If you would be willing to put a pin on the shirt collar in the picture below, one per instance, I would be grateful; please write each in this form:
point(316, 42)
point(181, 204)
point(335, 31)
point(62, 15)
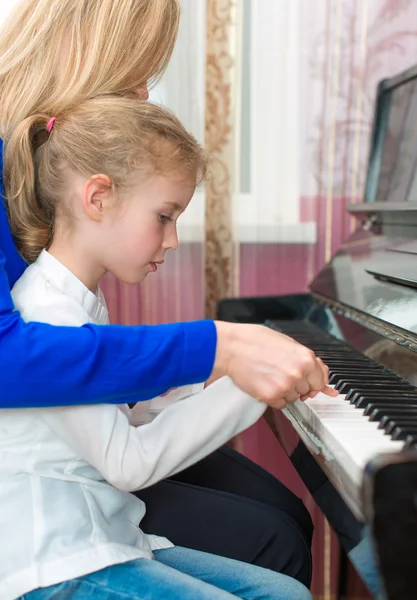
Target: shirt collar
point(65, 281)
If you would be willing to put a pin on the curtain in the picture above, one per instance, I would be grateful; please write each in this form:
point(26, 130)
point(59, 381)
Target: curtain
point(290, 100)
point(176, 291)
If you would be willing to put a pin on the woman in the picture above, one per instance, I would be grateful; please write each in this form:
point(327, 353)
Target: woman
point(57, 52)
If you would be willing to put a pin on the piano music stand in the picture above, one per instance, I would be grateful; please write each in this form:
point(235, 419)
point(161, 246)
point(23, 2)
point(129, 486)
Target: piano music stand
point(390, 504)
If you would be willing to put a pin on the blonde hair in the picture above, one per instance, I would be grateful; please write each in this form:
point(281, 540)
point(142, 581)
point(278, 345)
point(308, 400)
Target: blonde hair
point(56, 53)
point(123, 138)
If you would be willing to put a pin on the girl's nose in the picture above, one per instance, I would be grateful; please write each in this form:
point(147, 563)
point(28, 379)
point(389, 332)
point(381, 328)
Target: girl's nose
point(171, 239)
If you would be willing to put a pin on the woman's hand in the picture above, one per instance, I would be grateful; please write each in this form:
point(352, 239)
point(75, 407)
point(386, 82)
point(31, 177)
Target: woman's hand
point(268, 365)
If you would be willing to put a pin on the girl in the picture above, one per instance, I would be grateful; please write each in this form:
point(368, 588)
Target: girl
point(55, 53)
point(101, 186)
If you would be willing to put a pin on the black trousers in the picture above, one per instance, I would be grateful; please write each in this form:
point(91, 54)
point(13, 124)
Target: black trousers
point(228, 505)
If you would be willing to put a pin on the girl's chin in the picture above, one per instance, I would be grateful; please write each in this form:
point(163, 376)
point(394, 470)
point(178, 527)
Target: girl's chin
point(132, 279)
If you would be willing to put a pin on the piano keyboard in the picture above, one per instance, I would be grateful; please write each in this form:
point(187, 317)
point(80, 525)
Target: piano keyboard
point(375, 412)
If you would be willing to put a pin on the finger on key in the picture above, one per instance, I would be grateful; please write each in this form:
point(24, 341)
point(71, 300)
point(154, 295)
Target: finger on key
point(328, 390)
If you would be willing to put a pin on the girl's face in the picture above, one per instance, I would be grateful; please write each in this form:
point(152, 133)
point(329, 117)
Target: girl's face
point(140, 227)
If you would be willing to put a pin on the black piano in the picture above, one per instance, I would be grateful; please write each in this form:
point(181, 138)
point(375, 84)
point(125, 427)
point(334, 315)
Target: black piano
point(357, 453)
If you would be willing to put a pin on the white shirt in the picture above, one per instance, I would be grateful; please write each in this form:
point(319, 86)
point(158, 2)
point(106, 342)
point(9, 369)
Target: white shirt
point(66, 473)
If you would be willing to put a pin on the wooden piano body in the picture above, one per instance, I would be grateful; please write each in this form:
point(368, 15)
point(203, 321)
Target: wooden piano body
point(361, 316)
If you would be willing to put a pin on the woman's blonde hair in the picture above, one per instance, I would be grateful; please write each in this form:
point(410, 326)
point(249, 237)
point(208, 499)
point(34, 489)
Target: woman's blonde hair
point(123, 138)
point(56, 53)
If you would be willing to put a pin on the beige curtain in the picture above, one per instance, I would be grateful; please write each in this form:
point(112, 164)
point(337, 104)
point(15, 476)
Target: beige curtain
point(176, 291)
point(290, 90)
point(220, 255)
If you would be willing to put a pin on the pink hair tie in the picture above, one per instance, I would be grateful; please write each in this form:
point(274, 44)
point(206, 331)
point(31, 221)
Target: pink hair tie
point(50, 124)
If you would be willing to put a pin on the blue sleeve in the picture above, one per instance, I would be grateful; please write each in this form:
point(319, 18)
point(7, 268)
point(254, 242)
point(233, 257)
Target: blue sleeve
point(45, 365)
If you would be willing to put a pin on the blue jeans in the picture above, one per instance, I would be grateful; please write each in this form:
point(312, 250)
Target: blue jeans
point(177, 574)
point(363, 557)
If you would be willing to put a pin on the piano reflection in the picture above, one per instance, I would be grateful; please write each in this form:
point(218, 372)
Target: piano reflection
point(360, 317)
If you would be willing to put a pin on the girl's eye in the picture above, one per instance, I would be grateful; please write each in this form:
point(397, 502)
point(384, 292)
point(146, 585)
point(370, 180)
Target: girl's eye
point(164, 218)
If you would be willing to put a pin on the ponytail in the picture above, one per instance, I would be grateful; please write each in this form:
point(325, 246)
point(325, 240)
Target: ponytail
point(31, 217)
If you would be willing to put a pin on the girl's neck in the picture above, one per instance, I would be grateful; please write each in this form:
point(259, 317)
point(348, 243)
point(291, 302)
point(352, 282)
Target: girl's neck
point(77, 260)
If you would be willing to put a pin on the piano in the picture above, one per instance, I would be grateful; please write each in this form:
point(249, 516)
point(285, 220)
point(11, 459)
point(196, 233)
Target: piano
point(360, 317)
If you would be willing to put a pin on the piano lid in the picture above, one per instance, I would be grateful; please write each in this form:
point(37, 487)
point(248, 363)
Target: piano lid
point(370, 276)
point(375, 272)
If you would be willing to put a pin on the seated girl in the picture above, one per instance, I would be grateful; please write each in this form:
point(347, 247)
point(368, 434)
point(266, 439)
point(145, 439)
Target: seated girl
point(99, 189)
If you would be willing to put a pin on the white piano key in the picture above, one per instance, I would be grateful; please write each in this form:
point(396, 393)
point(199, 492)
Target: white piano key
point(350, 437)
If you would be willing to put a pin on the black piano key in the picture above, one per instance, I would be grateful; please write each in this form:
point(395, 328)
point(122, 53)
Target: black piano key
point(335, 361)
point(371, 378)
point(385, 387)
point(334, 377)
point(362, 399)
point(363, 402)
point(342, 354)
point(354, 365)
point(389, 386)
point(345, 385)
point(359, 371)
point(390, 416)
point(354, 368)
point(337, 349)
point(401, 433)
point(389, 396)
point(323, 345)
point(347, 368)
point(403, 422)
point(411, 442)
point(348, 356)
point(390, 383)
point(373, 408)
point(344, 360)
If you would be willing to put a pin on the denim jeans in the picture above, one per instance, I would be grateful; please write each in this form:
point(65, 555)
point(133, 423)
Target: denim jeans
point(363, 555)
point(177, 574)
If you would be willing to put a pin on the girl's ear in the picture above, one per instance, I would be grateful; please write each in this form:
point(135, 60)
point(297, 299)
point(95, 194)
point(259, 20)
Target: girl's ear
point(98, 196)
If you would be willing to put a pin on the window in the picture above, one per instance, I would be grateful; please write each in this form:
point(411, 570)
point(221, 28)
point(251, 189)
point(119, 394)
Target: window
point(269, 182)
point(266, 115)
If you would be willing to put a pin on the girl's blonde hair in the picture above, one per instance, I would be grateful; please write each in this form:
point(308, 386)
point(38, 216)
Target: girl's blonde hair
point(56, 53)
point(123, 138)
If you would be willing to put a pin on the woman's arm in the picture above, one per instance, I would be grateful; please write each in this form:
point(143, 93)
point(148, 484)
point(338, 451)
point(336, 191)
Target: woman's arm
point(42, 365)
point(132, 458)
point(45, 365)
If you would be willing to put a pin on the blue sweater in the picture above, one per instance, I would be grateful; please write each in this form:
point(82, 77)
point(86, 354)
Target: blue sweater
point(45, 365)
